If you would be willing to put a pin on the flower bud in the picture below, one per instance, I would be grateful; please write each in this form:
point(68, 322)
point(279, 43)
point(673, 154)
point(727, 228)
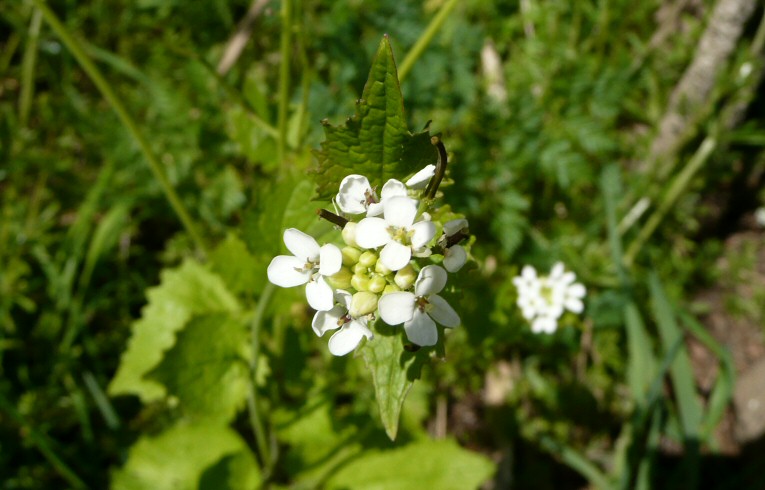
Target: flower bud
point(360, 282)
point(341, 279)
point(349, 234)
point(381, 269)
point(360, 269)
point(350, 255)
point(390, 288)
point(405, 277)
point(368, 258)
point(363, 303)
point(377, 284)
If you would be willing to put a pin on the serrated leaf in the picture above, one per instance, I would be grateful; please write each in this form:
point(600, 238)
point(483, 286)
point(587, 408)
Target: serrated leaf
point(427, 464)
point(374, 142)
point(207, 368)
point(184, 292)
point(179, 457)
point(394, 371)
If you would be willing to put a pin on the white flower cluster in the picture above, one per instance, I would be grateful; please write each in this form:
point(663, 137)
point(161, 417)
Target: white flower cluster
point(543, 299)
point(381, 270)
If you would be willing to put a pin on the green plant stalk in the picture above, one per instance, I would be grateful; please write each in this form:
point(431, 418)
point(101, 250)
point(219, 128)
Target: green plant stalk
point(678, 186)
point(284, 77)
point(28, 68)
point(108, 93)
point(414, 54)
point(43, 444)
point(252, 401)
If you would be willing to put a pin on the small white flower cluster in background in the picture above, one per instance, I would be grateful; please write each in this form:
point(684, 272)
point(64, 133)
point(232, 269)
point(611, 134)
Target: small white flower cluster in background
point(543, 299)
point(394, 263)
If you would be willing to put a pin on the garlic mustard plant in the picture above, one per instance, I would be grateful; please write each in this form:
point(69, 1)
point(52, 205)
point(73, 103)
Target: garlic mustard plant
point(543, 299)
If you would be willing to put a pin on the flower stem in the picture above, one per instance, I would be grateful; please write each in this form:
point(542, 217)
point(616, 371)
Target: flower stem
point(108, 93)
point(425, 39)
point(435, 181)
point(332, 217)
point(284, 77)
point(252, 401)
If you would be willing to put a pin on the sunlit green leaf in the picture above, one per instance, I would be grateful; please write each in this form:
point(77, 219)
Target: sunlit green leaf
point(207, 368)
point(427, 464)
point(376, 141)
point(184, 292)
point(394, 370)
point(179, 457)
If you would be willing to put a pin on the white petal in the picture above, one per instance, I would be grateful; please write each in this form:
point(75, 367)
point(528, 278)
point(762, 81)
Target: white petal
point(348, 337)
point(319, 295)
point(400, 211)
point(567, 278)
point(455, 225)
point(395, 256)
point(372, 233)
point(287, 271)
point(343, 298)
point(330, 259)
point(375, 209)
point(421, 178)
point(421, 330)
point(576, 290)
point(544, 324)
point(529, 273)
point(352, 196)
point(557, 271)
point(424, 231)
point(324, 321)
point(396, 308)
point(442, 312)
point(574, 305)
point(455, 257)
point(392, 188)
point(431, 280)
point(301, 245)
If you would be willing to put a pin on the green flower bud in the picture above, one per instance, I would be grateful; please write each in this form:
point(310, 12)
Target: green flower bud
point(390, 288)
point(381, 269)
point(377, 284)
point(360, 269)
point(340, 280)
point(350, 255)
point(360, 282)
point(363, 303)
point(368, 258)
point(349, 234)
point(405, 277)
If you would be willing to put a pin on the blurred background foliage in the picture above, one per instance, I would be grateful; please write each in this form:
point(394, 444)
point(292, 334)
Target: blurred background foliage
point(553, 114)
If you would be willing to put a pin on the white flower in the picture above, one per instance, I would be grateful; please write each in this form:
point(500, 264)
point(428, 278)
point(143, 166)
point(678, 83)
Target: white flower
point(543, 300)
point(454, 256)
point(356, 196)
point(308, 265)
point(351, 330)
point(397, 233)
point(417, 311)
point(759, 216)
point(421, 178)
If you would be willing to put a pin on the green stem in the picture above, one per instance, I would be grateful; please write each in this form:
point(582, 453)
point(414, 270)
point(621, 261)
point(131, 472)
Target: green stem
point(28, 68)
point(425, 39)
point(252, 400)
point(43, 444)
point(673, 193)
point(284, 77)
point(106, 90)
